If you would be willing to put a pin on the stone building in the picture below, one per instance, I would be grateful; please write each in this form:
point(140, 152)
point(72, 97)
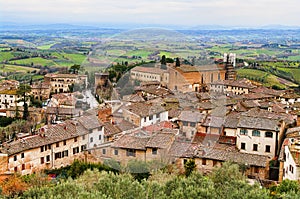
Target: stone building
point(186, 78)
point(40, 91)
point(9, 99)
point(53, 147)
point(237, 87)
point(144, 114)
point(60, 83)
point(290, 155)
point(148, 74)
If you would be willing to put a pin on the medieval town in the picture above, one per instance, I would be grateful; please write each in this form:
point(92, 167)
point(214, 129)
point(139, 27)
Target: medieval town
point(175, 113)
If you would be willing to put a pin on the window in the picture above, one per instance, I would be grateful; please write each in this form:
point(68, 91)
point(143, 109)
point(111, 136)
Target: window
point(255, 147)
point(154, 151)
point(75, 150)
point(57, 155)
point(268, 148)
point(65, 153)
point(116, 152)
point(185, 123)
point(203, 161)
point(192, 124)
point(75, 139)
point(256, 169)
point(268, 134)
point(42, 148)
point(42, 160)
point(65, 142)
point(151, 117)
point(16, 169)
point(212, 77)
point(15, 158)
point(100, 137)
point(219, 76)
point(91, 139)
point(103, 151)
point(83, 147)
point(22, 155)
point(215, 162)
point(157, 115)
point(57, 144)
point(23, 167)
point(256, 133)
point(83, 137)
point(244, 132)
point(47, 147)
point(48, 158)
point(291, 169)
point(130, 152)
point(243, 146)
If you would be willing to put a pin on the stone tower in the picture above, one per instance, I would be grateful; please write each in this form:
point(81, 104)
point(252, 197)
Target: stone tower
point(229, 60)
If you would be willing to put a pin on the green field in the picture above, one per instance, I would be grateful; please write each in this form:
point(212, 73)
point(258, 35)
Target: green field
point(5, 56)
point(115, 52)
point(168, 54)
point(63, 59)
point(75, 58)
point(46, 46)
point(295, 72)
point(265, 78)
point(35, 61)
point(142, 53)
point(15, 68)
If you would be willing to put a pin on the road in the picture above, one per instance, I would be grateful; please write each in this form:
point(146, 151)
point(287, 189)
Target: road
point(90, 99)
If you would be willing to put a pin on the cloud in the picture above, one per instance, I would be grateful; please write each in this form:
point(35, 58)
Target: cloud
point(189, 12)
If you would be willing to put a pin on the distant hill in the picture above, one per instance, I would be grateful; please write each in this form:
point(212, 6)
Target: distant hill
point(152, 34)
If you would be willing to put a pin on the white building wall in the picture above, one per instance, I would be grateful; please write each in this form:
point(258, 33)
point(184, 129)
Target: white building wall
point(230, 132)
point(95, 137)
point(143, 76)
point(261, 141)
point(32, 157)
point(146, 121)
point(11, 100)
point(291, 171)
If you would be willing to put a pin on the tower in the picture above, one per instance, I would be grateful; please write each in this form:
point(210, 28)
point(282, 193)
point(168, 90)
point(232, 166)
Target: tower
point(229, 60)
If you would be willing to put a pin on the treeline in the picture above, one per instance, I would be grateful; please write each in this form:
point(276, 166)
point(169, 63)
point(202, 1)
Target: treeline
point(224, 182)
point(273, 69)
point(118, 70)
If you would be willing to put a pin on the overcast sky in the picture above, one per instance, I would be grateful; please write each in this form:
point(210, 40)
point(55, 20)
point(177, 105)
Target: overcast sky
point(173, 12)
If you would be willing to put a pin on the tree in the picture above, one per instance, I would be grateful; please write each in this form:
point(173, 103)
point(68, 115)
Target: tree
point(74, 69)
point(189, 167)
point(25, 112)
point(287, 186)
point(163, 60)
point(177, 62)
point(23, 90)
point(169, 60)
point(138, 169)
point(13, 186)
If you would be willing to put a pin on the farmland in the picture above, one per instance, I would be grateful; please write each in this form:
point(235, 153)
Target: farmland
point(16, 68)
point(98, 49)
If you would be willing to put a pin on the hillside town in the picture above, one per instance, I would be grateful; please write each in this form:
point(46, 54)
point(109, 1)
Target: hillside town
point(175, 113)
